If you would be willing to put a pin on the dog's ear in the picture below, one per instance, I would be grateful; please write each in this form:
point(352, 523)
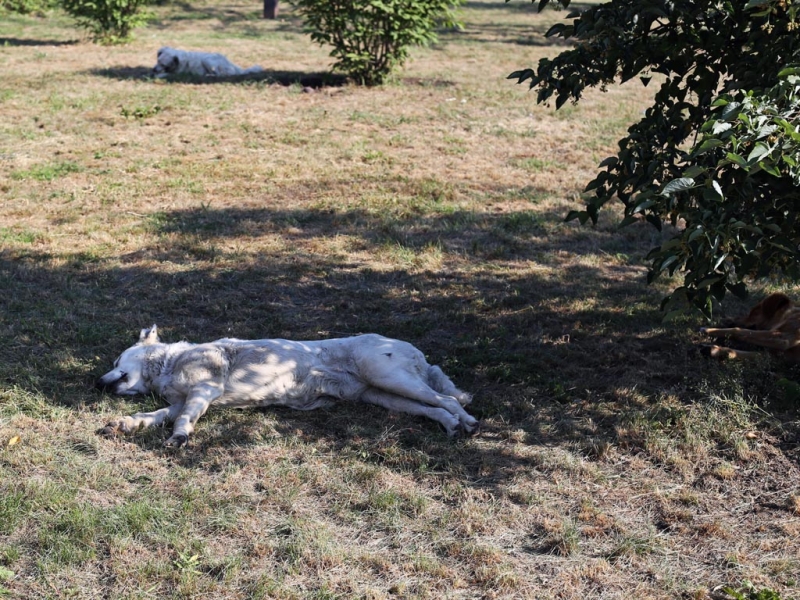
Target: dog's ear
point(149, 336)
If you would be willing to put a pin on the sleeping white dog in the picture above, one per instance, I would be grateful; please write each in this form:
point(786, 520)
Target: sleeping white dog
point(171, 61)
point(303, 375)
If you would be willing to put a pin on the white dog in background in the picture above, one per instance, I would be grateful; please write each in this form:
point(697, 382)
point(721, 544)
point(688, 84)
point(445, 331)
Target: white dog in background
point(171, 61)
point(303, 375)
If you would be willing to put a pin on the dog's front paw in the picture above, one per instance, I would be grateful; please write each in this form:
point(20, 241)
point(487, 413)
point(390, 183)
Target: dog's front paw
point(176, 441)
point(110, 430)
point(115, 428)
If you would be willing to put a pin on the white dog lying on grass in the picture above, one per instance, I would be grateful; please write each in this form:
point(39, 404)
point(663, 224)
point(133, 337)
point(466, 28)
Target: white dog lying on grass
point(172, 61)
point(303, 375)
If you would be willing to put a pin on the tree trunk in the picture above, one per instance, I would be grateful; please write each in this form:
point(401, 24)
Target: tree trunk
point(270, 9)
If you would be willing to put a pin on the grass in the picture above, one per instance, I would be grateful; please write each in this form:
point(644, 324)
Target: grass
point(613, 461)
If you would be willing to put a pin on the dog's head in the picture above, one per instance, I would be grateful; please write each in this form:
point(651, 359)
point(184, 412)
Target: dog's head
point(126, 378)
point(768, 313)
point(167, 61)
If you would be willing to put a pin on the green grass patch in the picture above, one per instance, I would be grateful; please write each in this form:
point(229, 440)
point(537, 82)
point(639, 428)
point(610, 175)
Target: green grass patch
point(48, 172)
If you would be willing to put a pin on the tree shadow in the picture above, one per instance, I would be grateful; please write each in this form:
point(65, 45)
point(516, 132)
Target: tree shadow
point(230, 19)
point(506, 33)
point(545, 357)
point(9, 41)
point(186, 11)
point(517, 7)
point(266, 77)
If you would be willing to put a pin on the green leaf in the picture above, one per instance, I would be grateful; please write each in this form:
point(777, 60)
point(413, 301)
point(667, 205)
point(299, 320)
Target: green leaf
point(720, 127)
point(757, 152)
point(696, 234)
point(558, 28)
point(730, 111)
point(693, 171)
point(706, 145)
point(735, 158)
point(789, 71)
point(770, 168)
point(670, 260)
point(678, 185)
point(611, 161)
point(581, 215)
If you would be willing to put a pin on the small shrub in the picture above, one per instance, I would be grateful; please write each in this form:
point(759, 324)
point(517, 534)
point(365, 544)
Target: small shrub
point(109, 21)
point(372, 37)
point(27, 7)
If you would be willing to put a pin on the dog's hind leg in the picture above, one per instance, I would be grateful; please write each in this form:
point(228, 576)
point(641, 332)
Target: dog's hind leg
point(403, 384)
point(442, 384)
point(773, 339)
point(196, 405)
point(403, 371)
point(131, 424)
point(396, 403)
point(722, 352)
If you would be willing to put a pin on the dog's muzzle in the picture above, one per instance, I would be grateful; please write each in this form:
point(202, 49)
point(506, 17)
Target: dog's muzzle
point(110, 386)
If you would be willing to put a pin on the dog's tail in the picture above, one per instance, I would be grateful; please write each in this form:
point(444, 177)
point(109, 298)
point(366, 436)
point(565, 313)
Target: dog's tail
point(252, 70)
point(442, 384)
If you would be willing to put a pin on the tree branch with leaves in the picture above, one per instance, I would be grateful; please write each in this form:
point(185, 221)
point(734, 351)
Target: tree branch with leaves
point(716, 154)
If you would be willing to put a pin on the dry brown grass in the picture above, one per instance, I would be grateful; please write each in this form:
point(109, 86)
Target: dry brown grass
point(614, 462)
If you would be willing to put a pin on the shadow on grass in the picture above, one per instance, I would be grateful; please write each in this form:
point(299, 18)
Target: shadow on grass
point(505, 33)
point(229, 19)
point(524, 6)
point(549, 359)
point(7, 41)
point(266, 77)
point(186, 11)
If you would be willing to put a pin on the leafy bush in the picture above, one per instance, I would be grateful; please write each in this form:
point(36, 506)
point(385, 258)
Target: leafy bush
point(109, 21)
point(716, 154)
point(372, 37)
point(25, 7)
point(739, 198)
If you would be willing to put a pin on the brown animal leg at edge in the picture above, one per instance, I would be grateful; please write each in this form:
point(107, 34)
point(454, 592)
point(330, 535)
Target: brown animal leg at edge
point(725, 353)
